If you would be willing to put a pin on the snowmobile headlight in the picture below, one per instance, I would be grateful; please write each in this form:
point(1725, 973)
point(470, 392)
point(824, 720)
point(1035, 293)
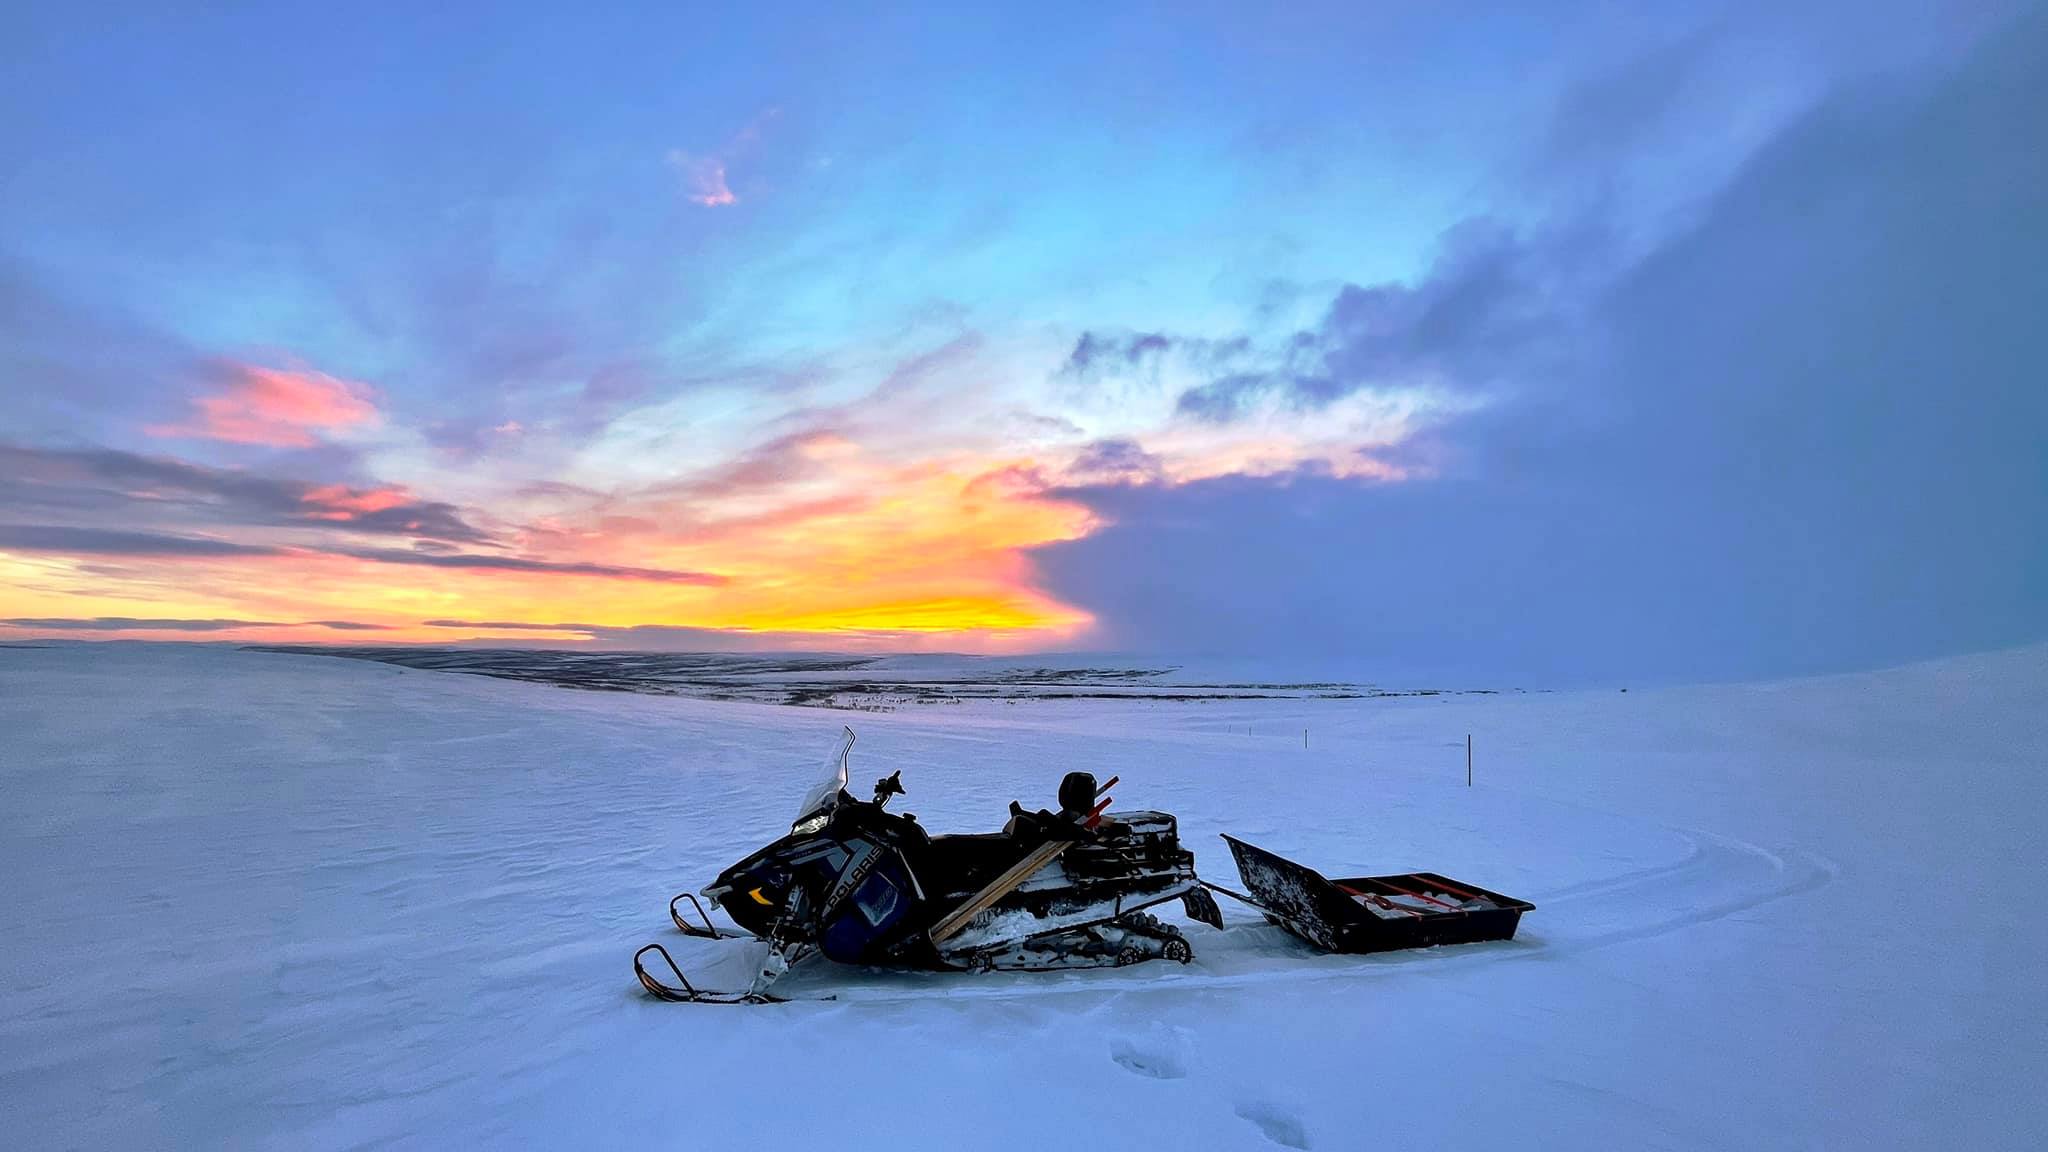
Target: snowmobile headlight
point(810, 824)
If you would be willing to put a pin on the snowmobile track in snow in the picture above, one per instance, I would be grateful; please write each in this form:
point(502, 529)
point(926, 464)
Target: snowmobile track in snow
point(1715, 870)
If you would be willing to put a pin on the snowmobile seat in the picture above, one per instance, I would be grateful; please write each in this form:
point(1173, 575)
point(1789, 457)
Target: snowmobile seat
point(967, 861)
point(1041, 826)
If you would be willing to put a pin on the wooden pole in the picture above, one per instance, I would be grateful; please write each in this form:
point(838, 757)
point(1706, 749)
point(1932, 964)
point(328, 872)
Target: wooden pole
point(998, 888)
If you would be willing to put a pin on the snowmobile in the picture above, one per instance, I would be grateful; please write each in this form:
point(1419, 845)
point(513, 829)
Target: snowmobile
point(860, 884)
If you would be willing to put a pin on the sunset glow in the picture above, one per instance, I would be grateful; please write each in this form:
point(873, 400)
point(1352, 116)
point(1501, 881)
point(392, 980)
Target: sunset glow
point(894, 504)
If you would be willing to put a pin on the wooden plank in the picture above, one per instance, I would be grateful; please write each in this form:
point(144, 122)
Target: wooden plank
point(998, 888)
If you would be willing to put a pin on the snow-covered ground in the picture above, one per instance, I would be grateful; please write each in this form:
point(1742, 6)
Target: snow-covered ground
point(272, 900)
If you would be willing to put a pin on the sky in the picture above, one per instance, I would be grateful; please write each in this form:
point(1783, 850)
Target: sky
point(1568, 341)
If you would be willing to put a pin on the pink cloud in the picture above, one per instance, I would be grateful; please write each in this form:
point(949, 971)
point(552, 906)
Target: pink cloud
point(340, 502)
point(704, 174)
point(276, 407)
point(705, 179)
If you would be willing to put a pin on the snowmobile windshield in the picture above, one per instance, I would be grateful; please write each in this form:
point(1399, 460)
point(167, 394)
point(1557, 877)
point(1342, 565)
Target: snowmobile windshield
point(825, 793)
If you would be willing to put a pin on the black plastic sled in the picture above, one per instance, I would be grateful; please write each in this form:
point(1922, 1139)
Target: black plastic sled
point(1371, 913)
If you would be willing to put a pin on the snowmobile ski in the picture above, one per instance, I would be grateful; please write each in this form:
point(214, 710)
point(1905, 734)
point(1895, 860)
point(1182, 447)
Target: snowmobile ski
point(704, 929)
point(688, 993)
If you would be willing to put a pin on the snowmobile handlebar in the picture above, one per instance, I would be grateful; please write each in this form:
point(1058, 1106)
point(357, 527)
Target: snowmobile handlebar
point(890, 785)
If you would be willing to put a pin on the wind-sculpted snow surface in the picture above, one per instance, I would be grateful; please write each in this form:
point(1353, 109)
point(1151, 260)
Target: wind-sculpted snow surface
point(275, 900)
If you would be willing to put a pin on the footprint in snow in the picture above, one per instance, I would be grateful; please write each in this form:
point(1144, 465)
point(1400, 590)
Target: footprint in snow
point(1274, 1123)
point(1156, 1061)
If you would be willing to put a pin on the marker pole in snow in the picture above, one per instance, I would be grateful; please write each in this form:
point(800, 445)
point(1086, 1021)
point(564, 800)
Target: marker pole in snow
point(1468, 759)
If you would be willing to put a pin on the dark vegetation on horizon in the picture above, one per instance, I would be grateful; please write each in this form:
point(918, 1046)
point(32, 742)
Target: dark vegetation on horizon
point(830, 681)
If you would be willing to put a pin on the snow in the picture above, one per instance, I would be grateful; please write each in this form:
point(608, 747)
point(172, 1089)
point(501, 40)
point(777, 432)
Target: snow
point(279, 900)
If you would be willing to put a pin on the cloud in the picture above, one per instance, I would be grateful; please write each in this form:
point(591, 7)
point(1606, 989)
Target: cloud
point(703, 173)
point(520, 564)
point(340, 502)
point(1495, 309)
point(274, 407)
point(1116, 460)
point(1500, 309)
point(1099, 351)
point(166, 624)
point(73, 541)
point(703, 179)
point(1230, 397)
point(1102, 353)
point(387, 510)
point(678, 638)
point(127, 488)
point(507, 626)
point(118, 542)
point(1802, 434)
point(775, 463)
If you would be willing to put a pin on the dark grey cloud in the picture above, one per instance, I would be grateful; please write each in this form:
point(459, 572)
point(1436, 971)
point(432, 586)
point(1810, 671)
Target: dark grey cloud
point(75, 541)
point(65, 539)
point(1229, 397)
point(1106, 352)
point(1114, 460)
point(520, 564)
point(127, 488)
point(426, 520)
point(668, 637)
point(1493, 311)
point(1482, 307)
point(167, 624)
point(1497, 308)
point(1097, 351)
point(1804, 433)
point(506, 626)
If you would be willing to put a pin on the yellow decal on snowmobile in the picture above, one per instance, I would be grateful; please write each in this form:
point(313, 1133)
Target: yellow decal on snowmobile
point(760, 899)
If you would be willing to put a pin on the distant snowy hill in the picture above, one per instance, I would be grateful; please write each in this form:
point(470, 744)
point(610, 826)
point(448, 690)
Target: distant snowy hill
point(862, 682)
point(283, 900)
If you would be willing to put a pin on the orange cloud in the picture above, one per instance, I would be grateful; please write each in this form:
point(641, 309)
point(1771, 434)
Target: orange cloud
point(903, 551)
point(904, 518)
point(275, 407)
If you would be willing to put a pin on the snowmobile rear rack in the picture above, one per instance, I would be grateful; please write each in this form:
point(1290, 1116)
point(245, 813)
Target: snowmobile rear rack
point(1361, 914)
point(690, 993)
